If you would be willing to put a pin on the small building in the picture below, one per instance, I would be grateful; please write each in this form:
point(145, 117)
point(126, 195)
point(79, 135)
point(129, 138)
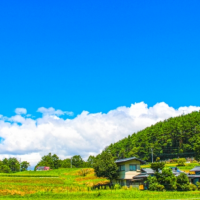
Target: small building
point(146, 172)
point(42, 168)
point(194, 175)
point(128, 169)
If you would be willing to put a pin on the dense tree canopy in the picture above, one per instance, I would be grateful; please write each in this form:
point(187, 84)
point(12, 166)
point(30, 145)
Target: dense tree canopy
point(174, 137)
point(105, 166)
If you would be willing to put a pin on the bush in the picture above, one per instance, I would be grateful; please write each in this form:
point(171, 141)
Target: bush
point(133, 188)
point(125, 187)
point(156, 187)
point(117, 186)
point(157, 159)
point(183, 183)
point(193, 187)
point(194, 161)
point(198, 185)
point(181, 161)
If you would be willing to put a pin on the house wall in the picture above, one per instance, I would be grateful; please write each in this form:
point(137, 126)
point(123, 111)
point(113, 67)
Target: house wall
point(127, 175)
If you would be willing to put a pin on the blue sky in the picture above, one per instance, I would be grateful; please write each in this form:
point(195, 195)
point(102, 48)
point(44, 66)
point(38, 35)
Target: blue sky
point(98, 55)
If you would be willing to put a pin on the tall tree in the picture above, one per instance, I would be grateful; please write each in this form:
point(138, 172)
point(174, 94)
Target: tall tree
point(14, 164)
point(24, 165)
point(105, 166)
point(77, 161)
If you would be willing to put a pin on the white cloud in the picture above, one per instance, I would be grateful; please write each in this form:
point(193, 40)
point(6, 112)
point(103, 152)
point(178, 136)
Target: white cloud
point(52, 111)
point(20, 111)
point(84, 135)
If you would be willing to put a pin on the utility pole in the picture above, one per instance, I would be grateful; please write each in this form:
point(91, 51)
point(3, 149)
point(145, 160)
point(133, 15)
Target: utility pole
point(152, 154)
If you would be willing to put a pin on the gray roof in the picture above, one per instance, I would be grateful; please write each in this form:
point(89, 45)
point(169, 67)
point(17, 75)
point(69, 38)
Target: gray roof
point(127, 159)
point(148, 170)
point(193, 176)
point(195, 169)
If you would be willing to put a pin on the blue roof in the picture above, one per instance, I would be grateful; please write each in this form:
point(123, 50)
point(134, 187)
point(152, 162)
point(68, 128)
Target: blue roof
point(127, 159)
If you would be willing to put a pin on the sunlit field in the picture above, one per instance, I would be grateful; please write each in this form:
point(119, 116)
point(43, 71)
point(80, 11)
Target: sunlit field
point(73, 184)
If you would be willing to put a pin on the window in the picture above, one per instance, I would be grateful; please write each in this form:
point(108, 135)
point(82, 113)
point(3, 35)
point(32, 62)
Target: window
point(138, 167)
point(132, 167)
point(122, 168)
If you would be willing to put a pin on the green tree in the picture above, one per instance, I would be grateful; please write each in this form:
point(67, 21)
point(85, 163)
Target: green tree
point(5, 169)
point(157, 166)
point(181, 161)
point(66, 163)
point(167, 178)
point(14, 164)
point(24, 165)
point(51, 161)
point(5, 161)
point(162, 180)
point(91, 161)
point(105, 166)
point(154, 185)
point(183, 183)
point(77, 161)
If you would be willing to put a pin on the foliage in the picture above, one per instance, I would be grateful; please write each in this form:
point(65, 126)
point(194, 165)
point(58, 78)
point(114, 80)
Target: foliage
point(172, 138)
point(117, 186)
point(51, 161)
point(66, 163)
point(24, 165)
point(181, 161)
point(14, 164)
point(183, 183)
point(157, 166)
point(154, 185)
point(77, 161)
point(193, 187)
point(105, 166)
point(162, 180)
point(90, 161)
point(157, 159)
point(198, 185)
point(5, 169)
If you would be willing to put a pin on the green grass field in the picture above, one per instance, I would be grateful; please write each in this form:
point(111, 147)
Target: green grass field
point(72, 184)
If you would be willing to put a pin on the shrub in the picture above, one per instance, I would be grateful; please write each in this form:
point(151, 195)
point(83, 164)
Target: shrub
point(157, 165)
point(157, 159)
point(156, 187)
point(198, 185)
point(133, 188)
point(125, 187)
point(181, 161)
point(117, 186)
point(193, 187)
point(183, 183)
point(194, 161)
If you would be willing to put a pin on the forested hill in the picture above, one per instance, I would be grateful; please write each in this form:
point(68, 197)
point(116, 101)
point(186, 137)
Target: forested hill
point(172, 138)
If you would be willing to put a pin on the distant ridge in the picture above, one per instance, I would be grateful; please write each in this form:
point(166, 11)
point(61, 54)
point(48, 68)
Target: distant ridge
point(172, 138)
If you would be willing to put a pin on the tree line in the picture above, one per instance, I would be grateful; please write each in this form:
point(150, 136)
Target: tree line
point(13, 165)
point(172, 138)
point(54, 162)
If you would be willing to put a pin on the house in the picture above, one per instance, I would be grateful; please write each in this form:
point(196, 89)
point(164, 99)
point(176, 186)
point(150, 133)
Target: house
point(42, 168)
point(194, 175)
point(128, 169)
point(146, 172)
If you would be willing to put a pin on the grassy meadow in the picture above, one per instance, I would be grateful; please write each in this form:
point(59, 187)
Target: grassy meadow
point(73, 184)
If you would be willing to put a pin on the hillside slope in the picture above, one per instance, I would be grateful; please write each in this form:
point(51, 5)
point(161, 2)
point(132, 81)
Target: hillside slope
point(172, 138)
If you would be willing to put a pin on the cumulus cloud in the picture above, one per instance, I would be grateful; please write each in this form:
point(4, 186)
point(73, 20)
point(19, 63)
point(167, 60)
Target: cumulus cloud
point(85, 134)
point(52, 111)
point(20, 111)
